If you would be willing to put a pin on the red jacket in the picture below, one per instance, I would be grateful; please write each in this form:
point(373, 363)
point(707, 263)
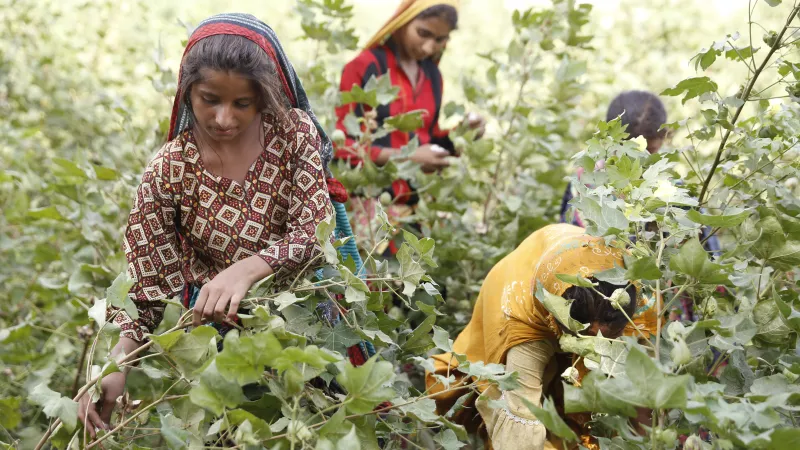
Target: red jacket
point(426, 95)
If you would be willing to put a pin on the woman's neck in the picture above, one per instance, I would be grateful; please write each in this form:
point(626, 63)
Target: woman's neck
point(250, 136)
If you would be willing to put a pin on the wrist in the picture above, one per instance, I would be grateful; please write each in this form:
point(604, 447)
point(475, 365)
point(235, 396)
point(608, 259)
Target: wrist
point(254, 269)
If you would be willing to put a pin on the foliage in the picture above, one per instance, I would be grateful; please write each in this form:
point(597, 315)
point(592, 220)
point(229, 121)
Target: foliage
point(284, 379)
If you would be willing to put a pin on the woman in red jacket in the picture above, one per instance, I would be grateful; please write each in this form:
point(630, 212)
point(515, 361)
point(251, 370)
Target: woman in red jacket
point(406, 49)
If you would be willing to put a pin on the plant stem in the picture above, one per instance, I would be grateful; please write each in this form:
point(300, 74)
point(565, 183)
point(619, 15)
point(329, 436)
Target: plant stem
point(745, 95)
point(498, 166)
point(86, 345)
point(377, 411)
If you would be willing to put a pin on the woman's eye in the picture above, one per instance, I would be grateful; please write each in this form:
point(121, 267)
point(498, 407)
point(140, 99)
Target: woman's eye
point(209, 101)
point(243, 104)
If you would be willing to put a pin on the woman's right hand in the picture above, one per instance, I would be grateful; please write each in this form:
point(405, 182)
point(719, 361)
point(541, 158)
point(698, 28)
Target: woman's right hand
point(431, 158)
point(97, 415)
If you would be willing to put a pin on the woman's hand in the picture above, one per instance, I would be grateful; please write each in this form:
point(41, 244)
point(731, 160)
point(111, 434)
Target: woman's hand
point(228, 288)
point(97, 415)
point(476, 122)
point(431, 158)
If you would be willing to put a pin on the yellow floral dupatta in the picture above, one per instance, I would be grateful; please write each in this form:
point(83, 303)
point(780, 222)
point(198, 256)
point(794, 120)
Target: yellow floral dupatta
point(507, 312)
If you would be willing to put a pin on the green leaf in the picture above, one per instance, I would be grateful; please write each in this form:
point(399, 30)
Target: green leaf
point(243, 358)
point(559, 307)
point(660, 390)
point(339, 337)
point(216, 392)
point(191, 351)
point(411, 271)
point(423, 409)
point(287, 298)
point(55, 406)
point(604, 217)
point(693, 87)
point(117, 295)
point(784, 438)
point(49, 212)
point(448, 440)
point(420, 341)
point(644, 269)
point(98, 312)
point(442, 339)
point(723, 221)
point(551, 419)
point(598, 394)
point(311, 355)
point(350, 441)
point(67, 167)
point(365, 385)
point(236, 417)
point(334, 425)
point(105, 174)
point(406, 122)
point(693, 261)
point(575, 280)
point(176, 438)
point(10, 415)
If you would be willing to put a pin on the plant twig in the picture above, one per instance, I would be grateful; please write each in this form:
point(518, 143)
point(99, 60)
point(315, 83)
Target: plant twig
point(744, 96)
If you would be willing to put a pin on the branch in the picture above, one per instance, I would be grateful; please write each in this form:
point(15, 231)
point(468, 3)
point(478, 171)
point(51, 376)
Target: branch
point(745, 95)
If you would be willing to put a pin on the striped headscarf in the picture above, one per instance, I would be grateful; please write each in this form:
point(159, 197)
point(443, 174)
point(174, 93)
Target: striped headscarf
point(248, 26)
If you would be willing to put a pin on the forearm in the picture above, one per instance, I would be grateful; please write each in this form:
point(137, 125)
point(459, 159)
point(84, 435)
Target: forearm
point(125, 346)
point(252, 269)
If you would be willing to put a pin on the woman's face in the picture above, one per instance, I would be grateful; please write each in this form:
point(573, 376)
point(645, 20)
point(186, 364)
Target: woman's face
point(611, 332)
point(225, 104)
point(654, 144)
point(424, 38)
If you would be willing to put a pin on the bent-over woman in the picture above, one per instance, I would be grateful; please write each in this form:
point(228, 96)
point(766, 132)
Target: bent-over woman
point(511, 326)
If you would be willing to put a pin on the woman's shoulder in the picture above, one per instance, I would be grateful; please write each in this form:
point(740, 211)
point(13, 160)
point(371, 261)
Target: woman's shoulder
point(366, 57)
point(168, 162)
point(299, 121)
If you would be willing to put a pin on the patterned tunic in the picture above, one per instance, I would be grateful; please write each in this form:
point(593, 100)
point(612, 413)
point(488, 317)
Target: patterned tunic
point(274, 215)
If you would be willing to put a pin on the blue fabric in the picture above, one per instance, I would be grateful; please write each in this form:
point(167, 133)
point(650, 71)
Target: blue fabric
point(329, 311)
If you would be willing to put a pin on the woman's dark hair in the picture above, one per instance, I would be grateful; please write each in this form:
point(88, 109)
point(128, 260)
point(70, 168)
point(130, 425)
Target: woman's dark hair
point(445, 12)
point(644, 113)
point(231, 53)
point(589, 307)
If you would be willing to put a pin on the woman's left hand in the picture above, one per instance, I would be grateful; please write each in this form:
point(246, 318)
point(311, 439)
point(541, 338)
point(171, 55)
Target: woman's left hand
point(229, 287)
point(476, 122)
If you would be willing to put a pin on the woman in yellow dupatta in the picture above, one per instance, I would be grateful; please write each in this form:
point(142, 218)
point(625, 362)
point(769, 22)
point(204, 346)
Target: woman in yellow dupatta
point(510, 326)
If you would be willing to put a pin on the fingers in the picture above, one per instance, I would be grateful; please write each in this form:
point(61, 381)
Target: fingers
point(234, 309)
point(199, 306)
point(219, 308)
point(109, 402)
point(92, 420)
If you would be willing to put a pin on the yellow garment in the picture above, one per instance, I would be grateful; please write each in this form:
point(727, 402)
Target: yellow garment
point(406, 12)
point(507, 312)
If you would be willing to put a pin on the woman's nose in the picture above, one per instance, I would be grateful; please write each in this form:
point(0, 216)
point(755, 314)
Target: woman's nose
point(224, 117)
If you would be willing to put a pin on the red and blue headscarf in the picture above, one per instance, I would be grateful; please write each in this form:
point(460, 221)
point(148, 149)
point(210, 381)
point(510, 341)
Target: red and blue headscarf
point(248, 26)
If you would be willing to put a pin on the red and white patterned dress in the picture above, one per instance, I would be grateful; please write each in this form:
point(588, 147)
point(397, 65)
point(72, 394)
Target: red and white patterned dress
point(274, 215)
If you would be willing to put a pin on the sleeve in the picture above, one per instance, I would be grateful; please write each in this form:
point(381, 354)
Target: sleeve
point(152, 250)
point(515, 426)
point(353, 74)
point(309, 204)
